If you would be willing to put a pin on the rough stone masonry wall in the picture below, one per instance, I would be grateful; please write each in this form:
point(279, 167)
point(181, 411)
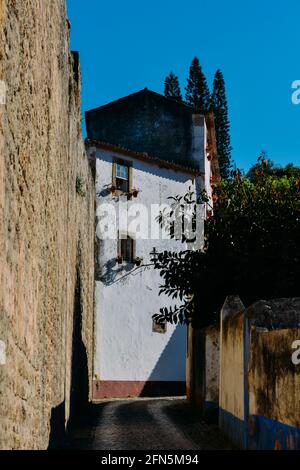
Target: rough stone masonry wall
point(46, 229)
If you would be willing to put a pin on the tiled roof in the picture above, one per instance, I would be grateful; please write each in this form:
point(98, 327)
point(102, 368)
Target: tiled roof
point(144, 157)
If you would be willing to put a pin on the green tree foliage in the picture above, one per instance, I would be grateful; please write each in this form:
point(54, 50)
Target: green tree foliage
point(220, 108)
point(172, 87)
point(251, 249)
point(197, 91)
point(289, 170)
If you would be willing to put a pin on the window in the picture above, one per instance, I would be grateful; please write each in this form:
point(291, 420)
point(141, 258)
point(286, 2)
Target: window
point(121, 178)
point(126, 248)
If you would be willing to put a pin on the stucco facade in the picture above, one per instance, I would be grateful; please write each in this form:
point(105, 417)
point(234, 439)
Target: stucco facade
point(131, 359)
point(168, 150)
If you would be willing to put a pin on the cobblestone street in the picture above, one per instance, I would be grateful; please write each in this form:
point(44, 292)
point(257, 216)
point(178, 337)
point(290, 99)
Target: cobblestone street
point(146, 424)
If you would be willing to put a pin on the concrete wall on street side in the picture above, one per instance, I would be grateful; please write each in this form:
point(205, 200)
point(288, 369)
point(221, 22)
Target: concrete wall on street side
point(260, 373)
point(203, 356)
point(232, 389)
point(212, 367)
point(274, 376)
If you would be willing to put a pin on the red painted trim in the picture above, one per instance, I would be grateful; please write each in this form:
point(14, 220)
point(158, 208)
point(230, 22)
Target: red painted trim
point(128, 388)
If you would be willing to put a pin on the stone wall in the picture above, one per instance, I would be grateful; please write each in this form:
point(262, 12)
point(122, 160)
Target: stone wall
point(47, 229)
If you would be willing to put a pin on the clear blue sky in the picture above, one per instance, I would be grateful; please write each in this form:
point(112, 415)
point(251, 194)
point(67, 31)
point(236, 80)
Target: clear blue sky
point(127, 45)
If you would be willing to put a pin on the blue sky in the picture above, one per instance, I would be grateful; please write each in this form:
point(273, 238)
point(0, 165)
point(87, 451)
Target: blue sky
point(129, 45)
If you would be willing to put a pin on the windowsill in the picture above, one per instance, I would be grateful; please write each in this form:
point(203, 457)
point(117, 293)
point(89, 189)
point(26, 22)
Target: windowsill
point(119, 193)
point(130, 264)
point(126, 265)
point(126, 262)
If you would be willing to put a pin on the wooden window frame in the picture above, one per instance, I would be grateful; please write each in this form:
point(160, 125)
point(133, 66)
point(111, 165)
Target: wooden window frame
point(133, 248)
point(119, 161)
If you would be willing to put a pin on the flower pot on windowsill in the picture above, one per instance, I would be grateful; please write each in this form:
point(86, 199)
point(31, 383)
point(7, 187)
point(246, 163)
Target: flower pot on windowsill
point(119, 259)
point(134, 192)
point(138, 261)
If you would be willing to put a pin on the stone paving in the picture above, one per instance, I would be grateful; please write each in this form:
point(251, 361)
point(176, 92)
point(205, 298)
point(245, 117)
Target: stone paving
point(146, 424)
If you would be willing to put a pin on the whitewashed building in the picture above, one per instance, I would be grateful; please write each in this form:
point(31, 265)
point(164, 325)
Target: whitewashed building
point(133, 355)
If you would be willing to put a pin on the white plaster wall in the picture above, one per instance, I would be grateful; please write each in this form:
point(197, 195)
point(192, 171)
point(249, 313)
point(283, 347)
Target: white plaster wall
point(125, 346)
point(198, 139)
point(207, 170)
point(199, 153)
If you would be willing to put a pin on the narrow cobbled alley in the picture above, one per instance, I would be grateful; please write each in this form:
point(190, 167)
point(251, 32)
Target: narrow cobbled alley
point(146, 424)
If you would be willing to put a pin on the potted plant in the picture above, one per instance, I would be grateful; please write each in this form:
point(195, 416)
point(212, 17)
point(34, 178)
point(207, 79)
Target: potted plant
point(138, 261)
point(119, 259)
point(135, 192)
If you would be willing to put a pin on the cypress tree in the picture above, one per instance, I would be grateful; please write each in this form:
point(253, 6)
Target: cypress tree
point(172, 88)
point(197, 91)
point(220, 108)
